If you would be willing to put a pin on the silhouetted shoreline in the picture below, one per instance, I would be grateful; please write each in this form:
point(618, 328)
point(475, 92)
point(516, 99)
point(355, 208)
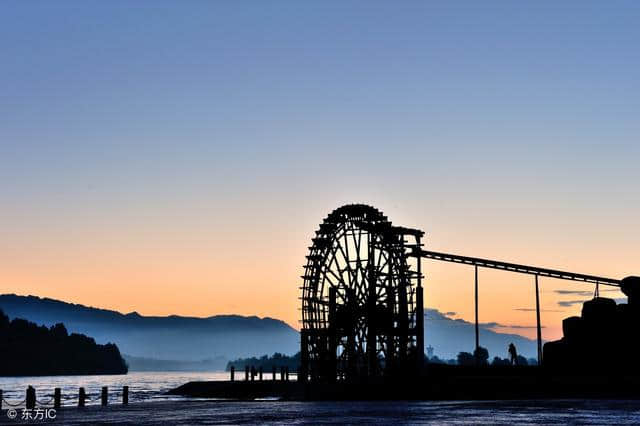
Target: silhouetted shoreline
point(441, 382)
point(31, 350)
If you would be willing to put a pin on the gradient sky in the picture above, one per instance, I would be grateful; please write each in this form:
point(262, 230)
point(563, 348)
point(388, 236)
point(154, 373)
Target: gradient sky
point(177, 157)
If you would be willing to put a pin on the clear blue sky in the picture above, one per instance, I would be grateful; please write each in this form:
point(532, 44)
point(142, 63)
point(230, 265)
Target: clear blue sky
point(277, 88)
point(460, 117)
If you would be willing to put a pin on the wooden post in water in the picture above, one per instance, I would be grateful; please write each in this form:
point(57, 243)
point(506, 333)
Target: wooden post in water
point(260, 373)
point(0, 399)
point(31, 398)
point(125, 395)
point(57, 397)
point(104, 397)
point(286, 373)
point(274, 373)
point(233, 373)
point(81, 397)
point(246, 373)
point(253, 373)
point(282, 374)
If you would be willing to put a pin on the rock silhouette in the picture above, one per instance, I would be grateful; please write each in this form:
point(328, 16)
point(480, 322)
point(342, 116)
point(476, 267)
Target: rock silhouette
point(604, 331)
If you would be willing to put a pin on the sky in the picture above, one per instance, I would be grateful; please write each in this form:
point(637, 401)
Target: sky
point(172, 157)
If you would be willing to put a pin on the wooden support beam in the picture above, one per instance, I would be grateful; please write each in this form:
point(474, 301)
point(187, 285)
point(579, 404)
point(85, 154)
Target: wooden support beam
point(513, 267)
point(333, 338)
point(539, 327)
point(419, 310)
point(476, 300)
point(372, 333)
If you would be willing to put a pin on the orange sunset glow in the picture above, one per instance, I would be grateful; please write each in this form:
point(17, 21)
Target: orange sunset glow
point(205, 261)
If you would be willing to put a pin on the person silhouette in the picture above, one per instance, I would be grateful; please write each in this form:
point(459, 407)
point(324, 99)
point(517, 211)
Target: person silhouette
point(513, 354)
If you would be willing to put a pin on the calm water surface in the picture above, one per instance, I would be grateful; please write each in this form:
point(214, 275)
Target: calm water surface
point(143, 386)
point(207, 412)
point(150, 407)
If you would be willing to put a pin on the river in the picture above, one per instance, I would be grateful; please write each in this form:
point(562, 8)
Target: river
point(149, 406)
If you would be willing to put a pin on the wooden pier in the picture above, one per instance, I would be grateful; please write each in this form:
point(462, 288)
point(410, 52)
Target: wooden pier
point(439, 382)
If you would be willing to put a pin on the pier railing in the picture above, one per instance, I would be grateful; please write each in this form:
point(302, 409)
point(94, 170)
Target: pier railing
point(250, 373)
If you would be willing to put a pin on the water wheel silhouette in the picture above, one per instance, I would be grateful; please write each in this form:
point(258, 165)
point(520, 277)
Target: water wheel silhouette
point(362, 311)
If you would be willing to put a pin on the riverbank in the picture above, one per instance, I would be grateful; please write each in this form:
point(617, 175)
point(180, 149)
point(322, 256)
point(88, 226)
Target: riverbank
point(439, 382)
point(207, 412)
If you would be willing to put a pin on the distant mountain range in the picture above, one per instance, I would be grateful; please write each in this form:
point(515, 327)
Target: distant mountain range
point(220, 337)
point(450, 336)
point(207, 343)
point(135, 363)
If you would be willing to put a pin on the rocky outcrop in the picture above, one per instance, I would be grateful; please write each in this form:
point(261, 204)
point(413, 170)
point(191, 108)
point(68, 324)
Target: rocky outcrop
point(604, 339)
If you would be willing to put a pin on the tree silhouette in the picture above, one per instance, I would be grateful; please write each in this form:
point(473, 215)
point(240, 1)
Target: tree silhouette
point(481, 355)
point(465, 358)
point(500, 361)
point(31, 350)
point(267, 362)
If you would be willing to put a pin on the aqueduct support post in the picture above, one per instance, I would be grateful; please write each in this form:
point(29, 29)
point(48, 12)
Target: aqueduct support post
point(476, 299)
point(539, 327)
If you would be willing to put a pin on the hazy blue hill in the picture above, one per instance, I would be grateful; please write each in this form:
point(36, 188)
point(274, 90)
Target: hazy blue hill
point(170, 338)
point(152, 364)
point(28, 349)
point(449, 336)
